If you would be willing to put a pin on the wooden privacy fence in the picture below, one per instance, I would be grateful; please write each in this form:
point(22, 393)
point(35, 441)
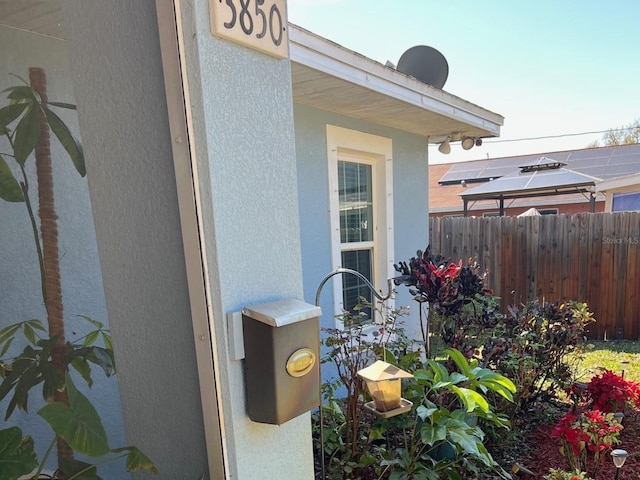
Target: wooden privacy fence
point(588, 257)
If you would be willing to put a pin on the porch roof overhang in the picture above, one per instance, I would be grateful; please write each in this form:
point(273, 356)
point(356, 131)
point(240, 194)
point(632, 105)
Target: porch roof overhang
point(330, 77)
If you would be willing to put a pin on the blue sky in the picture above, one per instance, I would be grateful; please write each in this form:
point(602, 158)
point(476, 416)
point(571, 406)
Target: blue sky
point(549, 67)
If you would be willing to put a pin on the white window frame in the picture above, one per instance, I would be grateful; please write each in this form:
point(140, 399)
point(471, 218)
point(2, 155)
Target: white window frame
point(354, 146)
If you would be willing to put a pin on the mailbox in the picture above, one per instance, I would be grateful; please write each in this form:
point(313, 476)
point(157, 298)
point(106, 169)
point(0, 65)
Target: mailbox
point(282, 360)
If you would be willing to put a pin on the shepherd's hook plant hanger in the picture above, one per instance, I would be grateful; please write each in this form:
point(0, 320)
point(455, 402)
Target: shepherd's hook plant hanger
point(379, 296)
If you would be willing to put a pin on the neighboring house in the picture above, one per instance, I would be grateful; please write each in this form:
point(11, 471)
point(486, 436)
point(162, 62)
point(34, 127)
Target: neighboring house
point(553, 183)
point(219, 177)
point(622, 193)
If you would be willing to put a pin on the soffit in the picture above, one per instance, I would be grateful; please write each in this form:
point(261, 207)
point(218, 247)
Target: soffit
point(330, 77)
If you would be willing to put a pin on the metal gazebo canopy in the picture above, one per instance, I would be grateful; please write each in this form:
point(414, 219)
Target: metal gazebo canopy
point(541, 178)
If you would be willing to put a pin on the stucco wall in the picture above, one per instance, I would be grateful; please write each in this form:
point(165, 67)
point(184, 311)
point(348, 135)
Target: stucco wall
point(82, 288)
point(244, 144)
point(244, 118)
point(410, 194)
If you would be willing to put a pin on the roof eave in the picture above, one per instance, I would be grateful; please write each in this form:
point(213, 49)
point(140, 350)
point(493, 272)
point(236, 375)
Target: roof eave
point(411, 96)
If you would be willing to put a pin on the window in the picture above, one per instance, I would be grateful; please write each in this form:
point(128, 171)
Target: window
point(361, 205)
point(548, 211)
point(355, 204)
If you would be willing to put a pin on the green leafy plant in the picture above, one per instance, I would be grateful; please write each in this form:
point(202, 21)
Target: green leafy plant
point(46, 356)
point(535, 344)
point(450, 411)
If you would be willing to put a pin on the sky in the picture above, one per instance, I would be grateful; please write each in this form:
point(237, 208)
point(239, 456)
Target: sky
point(549, 67)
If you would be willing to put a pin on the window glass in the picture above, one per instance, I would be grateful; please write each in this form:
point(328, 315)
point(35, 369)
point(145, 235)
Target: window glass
point(353, 288)
point(355, 202)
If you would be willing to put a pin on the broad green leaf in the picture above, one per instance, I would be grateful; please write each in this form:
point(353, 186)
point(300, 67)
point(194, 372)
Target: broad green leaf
point(73, 148)
point(424, 412)
point(9, 113)
point(5, 346)
point(26, 135)
point(35, 324)
point(439, 371)
point(91, 338)
point(29, 333)
point(10, 190)
point(468, 443)
point(136, 460)
point(398, 475)
point(9, 331)
point(22, 93)
point(17, 454)
point(471, 399)
point(106, 338)
point(430, 434)
point(460, 361)
point(103, 358)
point(95, 323)
point(77, 470)
point(78, 424)
point(456, 378)
point(503, 387)
point(83, 368)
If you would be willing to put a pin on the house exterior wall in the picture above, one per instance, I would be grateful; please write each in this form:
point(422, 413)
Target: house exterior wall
point(82, 288)
point(244, 146)
point(410, 192)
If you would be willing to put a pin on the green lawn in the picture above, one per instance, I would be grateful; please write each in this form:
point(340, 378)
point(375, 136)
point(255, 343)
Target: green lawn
point(618, 356)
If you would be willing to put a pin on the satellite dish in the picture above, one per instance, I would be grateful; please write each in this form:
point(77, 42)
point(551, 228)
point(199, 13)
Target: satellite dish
point(425, 64)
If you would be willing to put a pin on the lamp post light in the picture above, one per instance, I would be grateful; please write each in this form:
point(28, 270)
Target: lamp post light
point(619, 456)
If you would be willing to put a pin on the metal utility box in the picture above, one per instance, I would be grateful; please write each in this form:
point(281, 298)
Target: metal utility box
point(282, 360)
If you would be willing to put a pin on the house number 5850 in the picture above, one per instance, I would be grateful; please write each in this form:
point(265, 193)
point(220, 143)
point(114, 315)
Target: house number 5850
point(259, 24)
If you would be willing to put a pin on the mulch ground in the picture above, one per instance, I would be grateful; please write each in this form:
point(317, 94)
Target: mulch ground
point(544, 453)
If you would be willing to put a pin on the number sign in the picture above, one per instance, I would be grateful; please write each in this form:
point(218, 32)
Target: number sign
point(259, 24)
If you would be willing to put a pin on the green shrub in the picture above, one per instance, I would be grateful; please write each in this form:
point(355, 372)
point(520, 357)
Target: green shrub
point(449, 412)
point(532, 346)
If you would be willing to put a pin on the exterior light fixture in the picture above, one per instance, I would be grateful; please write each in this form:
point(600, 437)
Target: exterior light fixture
point(619, 456)
point(445, 146)
point(467, 143)
point(384, 382)
point(478, 142)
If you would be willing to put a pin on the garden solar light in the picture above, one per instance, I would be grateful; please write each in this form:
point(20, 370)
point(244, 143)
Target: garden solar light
point(384, 383)
point(619, 456)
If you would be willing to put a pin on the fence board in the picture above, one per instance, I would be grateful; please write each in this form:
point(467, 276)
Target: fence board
point(594, 258)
